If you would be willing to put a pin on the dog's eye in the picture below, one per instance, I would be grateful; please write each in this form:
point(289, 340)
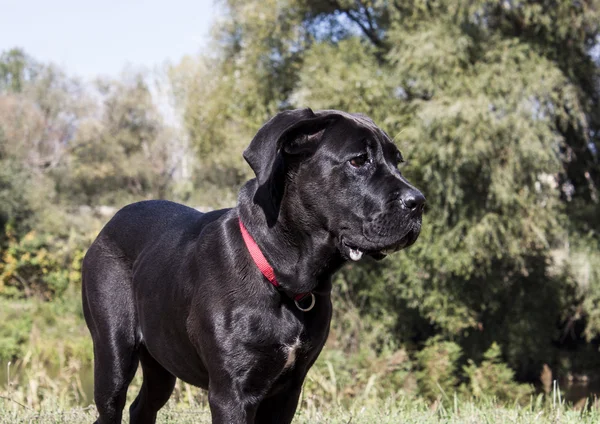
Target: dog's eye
point(359, 161)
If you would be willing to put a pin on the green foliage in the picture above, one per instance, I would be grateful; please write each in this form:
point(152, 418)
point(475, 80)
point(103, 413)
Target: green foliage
point(15, 197)
point(583, 262)
point(127, 152)
point(16, 69)
point(438, 365)
point(495, 105)
point(28, 268)
point(14, 333)
point(492, 378)
point(360, 364)
point(51, 334)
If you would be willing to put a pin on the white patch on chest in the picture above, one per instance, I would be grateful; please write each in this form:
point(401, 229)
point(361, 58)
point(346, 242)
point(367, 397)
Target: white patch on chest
point(291, 351)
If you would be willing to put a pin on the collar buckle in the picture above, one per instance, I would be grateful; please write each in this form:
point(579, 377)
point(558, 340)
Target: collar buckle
point(312, 302)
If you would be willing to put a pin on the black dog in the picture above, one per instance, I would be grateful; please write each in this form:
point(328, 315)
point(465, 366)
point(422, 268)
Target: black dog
point(191, 296)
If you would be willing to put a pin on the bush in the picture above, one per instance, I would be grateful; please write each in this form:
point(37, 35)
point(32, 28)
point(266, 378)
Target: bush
point(14, 332)
point(439, 363)
point(34, 266)
point(493, 378)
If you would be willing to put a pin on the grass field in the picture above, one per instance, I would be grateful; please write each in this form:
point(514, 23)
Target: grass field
point(51, 383)
point(400, 411)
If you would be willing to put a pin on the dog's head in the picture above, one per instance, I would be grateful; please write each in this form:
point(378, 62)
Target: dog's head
point(337, 171)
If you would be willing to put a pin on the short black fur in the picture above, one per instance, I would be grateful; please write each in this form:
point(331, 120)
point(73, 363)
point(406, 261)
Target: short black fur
point(177, 291)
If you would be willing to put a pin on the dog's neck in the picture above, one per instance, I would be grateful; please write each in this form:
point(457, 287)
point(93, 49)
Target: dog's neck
point(303, 254)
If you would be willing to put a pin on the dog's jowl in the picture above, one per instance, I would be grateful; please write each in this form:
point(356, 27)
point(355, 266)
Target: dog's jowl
point(237, 301)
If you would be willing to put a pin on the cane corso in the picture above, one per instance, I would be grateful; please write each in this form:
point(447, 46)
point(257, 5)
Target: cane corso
point(237, 301)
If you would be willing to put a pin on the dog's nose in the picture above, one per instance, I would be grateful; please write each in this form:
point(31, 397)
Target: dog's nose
point(413, 199)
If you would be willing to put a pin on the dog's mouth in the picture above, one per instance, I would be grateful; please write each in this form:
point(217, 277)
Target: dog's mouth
point(354, 251)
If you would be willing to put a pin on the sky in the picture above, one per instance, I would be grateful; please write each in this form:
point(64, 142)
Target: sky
point(100, 38)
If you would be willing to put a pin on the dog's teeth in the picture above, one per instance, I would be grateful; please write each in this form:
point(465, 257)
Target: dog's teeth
point(355, 254)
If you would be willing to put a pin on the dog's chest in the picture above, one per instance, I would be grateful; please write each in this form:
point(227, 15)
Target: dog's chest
point(300, 349)
point(291, 352)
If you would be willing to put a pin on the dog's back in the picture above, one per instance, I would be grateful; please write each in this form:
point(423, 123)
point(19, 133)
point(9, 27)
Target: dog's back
point(137, 225)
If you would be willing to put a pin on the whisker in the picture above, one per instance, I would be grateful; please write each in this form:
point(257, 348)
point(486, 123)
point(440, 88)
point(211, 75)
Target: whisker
point(399, 132)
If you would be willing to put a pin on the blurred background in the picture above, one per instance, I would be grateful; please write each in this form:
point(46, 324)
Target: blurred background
point(494, 104)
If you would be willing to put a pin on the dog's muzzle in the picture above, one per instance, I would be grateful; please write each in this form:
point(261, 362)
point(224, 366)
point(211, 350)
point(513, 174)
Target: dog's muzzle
point(388, 231)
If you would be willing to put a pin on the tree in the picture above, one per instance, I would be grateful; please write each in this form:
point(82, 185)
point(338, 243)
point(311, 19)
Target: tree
point(38, 109)
point(496, 105)
point(16, 70)
point(126, 152)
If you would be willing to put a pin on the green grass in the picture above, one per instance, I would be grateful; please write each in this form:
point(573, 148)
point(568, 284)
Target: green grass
point(51, 379)
point(401, 411)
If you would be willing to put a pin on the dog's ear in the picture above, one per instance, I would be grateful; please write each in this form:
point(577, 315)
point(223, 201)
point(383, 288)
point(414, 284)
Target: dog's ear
point(293, 132)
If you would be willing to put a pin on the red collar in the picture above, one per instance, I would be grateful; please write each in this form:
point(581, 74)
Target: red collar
point(266, 269)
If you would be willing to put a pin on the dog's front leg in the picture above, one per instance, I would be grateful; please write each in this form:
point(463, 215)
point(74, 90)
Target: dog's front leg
point(245, 357)
point(228, 407)
point(281, 407)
